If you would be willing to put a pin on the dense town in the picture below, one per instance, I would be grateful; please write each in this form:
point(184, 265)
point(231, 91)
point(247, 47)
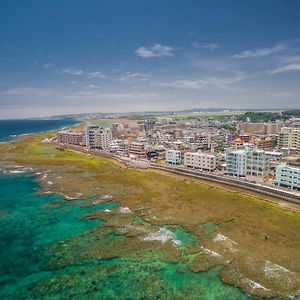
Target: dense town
point(265, 153)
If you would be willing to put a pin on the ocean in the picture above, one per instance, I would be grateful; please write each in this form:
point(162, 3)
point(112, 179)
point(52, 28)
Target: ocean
point(10, 129)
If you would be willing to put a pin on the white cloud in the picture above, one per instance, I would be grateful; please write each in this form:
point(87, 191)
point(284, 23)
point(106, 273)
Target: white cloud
point(208, 82)
point(290, 59)
point(287, 68)
point(280, 94)
point(111, 95)
point(72, 72)
point(211, 46)
point(75, 72)
point(96, 74)
point(27, 92)
point(156, 51)
point(129, 75)
point(93, 86)
point(48, 66)
point(260, 52)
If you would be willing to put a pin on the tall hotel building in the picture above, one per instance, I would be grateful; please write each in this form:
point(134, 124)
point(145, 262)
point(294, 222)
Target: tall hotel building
point(97, 137)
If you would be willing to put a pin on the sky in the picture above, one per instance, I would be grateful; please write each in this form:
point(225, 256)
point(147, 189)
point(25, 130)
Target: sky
point(71, 56)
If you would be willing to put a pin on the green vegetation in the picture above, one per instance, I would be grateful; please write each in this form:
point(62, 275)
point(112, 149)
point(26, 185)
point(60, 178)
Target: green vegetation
point(256, 117)
point(291, 113)
point(232, 128)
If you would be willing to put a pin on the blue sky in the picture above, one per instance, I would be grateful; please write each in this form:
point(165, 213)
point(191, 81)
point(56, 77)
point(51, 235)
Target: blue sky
point(61, 56)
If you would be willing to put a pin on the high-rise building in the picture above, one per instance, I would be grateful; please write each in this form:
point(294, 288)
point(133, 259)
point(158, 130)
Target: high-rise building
point(97, 137)
point(117, 128)
point(149, 125)
point(236, 162)
point(289, 138)
point(257, 164)
point(90, 132)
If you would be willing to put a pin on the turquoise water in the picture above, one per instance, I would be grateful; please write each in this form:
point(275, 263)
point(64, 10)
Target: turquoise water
point(30, 222)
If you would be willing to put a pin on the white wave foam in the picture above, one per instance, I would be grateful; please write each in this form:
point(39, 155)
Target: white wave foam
point(226, 241)
point(254, 285)
point(125, 210)
point(274, 270)
point(221, 237)
point(106, 196)
point(163, 235)
point(211, 253)
point(16, 172)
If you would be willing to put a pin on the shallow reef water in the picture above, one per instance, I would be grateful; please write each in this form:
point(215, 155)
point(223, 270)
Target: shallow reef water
point(51, 248)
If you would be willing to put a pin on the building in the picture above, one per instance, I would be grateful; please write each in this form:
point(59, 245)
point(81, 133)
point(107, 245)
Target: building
point(97, 137)
point(203, 141)
point(103, 138)
point(274, 155)
point(237, 144)
point(257, 164)
point(251, 163)
point(262, 128)
point(149, 125)
point(117, 128)
point(90, 135)
point(70, 137)
point(201, 161)
point(289, 138)
point(173, 157)
point(287, 176)
point(273, 127)
point(137, 150)
point(236, 163)
point(263, 143)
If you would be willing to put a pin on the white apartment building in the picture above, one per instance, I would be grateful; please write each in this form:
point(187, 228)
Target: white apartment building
point(97, 137)
point(103, 137)
point(90, 135)
point(236, 162)
point(287, 176)
point(289, 138)
point(252, 163)
point(201, 161)
point(173, 157)
point(257, 164)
